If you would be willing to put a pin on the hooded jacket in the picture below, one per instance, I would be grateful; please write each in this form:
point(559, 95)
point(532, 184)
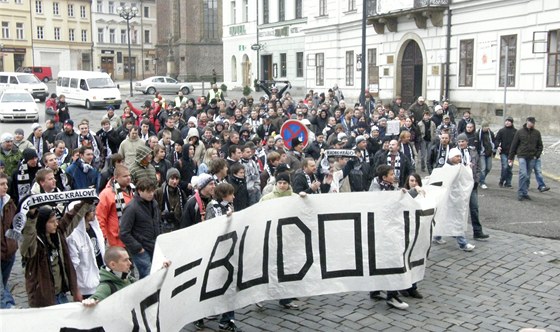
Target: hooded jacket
point(187, 168)
point(278, 194)
point(138, 171)
point(199, 148)
point(106, 278)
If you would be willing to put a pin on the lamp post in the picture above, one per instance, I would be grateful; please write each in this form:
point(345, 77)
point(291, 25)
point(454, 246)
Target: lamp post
point(128, 13)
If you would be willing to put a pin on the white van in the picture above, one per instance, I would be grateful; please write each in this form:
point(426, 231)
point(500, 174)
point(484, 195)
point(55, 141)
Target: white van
point(88, 88)
point(24, 81)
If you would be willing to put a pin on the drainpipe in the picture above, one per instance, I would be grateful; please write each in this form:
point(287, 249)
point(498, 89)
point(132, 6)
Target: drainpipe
point(447, 54)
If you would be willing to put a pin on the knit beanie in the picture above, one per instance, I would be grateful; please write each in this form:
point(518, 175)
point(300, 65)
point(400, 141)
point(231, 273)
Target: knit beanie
point(29, 154)
point(171, 173)
point(284, 176)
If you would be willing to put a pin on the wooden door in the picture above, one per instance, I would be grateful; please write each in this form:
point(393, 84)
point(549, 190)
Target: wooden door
point(411, 73)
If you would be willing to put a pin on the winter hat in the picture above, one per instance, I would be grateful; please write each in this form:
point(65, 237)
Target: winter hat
point(172, 172)
point(296, 141)
point(531, 119)
point(19, 131)
point(341, 136)
point(453, 153)
point(6, 137)
point(204, 180)
point(277, 138)
point(374, 128)
point(510, 119)
point(360, 139)
point(284, 176)
point(142, 152)
point(29, 154)
point(35, 126)
point(69, 122)
point(462, 137)
point(281, 168)
point(193, 120)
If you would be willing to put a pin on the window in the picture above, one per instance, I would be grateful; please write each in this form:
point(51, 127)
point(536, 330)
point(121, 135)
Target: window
point(100, 35)
point(123, 36)
point(20, 31)
point(265, 11)
point(71, 36)
point(146, 62)
point(281, 10)
point(134, 38)
point(40, 34)
point(146, 12)
point(38, 7)
point(509, 42)
point(349, 68)
point(83, 11)
point(55, 8)
point(233, 69)
point(99, 6)
point(319, 69)
point(299, 64)
point(147, 38)
point(245, 11)
point(233, 13)
point(466, 55)
point(211, 19)
point(56, 33)
point(352, 5)
point(111, 7)
point(19, 1)
point(84, 35)
point(372, 67)
point(283, 69)
point(553, 69)
point(112, 36)
point(6, 30)
point(299, 8)
point(322, 7)
point(71, 10)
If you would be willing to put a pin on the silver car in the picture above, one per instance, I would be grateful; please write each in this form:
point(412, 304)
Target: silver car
point(18, 105)
point(163, 84)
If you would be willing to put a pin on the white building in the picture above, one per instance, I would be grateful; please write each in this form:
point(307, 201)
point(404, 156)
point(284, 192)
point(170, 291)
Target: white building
point(109, 30)
point(275, 54)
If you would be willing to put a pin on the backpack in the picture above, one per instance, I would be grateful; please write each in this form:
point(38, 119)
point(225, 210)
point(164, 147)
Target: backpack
point(356, 178)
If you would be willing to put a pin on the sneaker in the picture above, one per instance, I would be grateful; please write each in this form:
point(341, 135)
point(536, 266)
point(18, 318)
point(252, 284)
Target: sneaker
point(543, 189)
point(415, 294)
point(439, 241)
point(229, 326)
point(199, 324)
point(396, 303)
point(376, 295)
point(481, 237)
point(484, 186)
point(468, 247)
point(291, 305)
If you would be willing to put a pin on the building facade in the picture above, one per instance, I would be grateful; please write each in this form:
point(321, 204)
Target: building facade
point(15, 39)
point(110, 38)
point(271, 48)
point(190, 47)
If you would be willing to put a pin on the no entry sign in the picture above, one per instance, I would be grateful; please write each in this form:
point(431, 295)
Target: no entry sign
point(292, 129)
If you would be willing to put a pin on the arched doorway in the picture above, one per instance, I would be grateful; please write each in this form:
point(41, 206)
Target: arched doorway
point(411, 73)
point(233, 69)
point(246, 70)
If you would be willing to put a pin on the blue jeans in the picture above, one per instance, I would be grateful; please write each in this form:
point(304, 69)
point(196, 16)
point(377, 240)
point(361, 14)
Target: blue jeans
point(143, 262)
point(461, 240)
point(506, 174)
point(60, 298)
point(526, 165)
point(6, 298)
point(485, 168)
point(538, 173)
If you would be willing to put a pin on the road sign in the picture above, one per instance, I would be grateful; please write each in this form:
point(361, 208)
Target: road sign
point(255, 47)
point(292, 129)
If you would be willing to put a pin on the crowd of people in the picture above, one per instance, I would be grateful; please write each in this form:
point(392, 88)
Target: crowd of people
point(170, 164)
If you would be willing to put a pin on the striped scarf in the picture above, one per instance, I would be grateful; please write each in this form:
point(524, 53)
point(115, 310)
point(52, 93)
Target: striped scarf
point(119, 198)
point(395, 164)
point(23, 180)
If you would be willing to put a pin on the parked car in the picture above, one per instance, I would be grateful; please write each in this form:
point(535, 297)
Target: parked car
point(43, 73)
point(18, 105)
point(24, 81)
point(162, 84)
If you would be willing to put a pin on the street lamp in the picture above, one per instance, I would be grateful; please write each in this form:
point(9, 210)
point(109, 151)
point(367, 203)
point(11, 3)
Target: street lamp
point(128, 13)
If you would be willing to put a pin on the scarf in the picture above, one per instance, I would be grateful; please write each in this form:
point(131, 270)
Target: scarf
point(166, 205)
point(480, 139)
point(201, 206)
point(386, 186)
point(465, 157)
point(442, 155)
point(406, 149)
point(93, 141)
point(38, 144)
point(119, 198)
point(308, 178)
point(395, 163)
point(23, 181)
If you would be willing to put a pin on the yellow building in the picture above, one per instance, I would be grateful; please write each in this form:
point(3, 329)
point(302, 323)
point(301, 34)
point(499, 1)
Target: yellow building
point(15, 39)
point(61, 34)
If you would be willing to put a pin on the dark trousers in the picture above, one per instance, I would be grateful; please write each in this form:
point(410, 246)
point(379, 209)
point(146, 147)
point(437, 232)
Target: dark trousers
point(473, 207)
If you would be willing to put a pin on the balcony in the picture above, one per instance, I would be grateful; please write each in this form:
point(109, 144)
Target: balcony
point(385, 13)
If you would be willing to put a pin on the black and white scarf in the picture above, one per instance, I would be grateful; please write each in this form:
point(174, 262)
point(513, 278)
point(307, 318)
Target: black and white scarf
point(166, 205)
point(93, 141)
point(406, 149)
point(442, 156)
point(38, 144)
point(23, 180)
point(119, 198)
point(395, 165)
point(386, 186)
point(466, 157)
point(308, 178)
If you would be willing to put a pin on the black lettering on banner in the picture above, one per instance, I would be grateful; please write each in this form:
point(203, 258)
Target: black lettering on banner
point(260, 280)
point(282, 276)
point(71, 329)
point(419, 213)
point(373, 270)
point(189, 283)
point(224, 262)
point(145, 304)
point(342, 217)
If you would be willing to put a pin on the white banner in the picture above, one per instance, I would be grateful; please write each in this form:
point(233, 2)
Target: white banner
point(288, 247)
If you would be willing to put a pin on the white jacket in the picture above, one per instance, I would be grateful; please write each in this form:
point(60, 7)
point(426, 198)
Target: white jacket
point(82, 255)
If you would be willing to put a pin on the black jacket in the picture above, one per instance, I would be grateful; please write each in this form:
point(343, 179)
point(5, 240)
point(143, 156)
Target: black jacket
point(300, 183)
point(140, 225)
point(527, 143)
point(109, 140)
point(504, 138)
point(241, 193)
point(404, 168)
